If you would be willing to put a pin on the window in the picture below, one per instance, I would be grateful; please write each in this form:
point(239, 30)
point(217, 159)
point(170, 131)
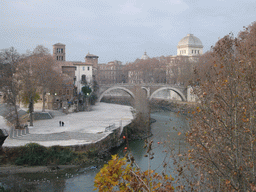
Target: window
point(67, 92)
point(192, 51)
point(61, 50)
point(83, 77)
point(83, 68)
point(57, 58)
point(88, 68)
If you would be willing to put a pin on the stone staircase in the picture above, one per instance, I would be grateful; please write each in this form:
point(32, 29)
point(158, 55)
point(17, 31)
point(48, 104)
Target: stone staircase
point(42, 115)
point(56, 113)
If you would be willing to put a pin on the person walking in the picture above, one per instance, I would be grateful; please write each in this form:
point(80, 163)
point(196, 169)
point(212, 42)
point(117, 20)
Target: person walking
point(62, 124)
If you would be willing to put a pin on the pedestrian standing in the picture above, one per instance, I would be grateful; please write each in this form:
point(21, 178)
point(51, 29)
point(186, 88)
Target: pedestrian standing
point(60, 123)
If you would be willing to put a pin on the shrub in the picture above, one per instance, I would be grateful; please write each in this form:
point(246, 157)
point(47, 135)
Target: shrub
point(60, 155)
point(32, 154)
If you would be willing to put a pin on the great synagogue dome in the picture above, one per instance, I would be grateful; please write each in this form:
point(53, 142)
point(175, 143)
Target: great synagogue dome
point(190, 46)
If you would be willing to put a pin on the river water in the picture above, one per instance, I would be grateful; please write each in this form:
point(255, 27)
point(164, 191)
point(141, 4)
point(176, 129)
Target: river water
point(165, 131)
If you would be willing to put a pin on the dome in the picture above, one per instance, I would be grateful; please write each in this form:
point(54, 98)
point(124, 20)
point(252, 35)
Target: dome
point(145, 56)
point(190, 41)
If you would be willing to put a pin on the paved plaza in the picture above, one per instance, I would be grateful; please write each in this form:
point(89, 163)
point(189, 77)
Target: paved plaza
point(79, 128)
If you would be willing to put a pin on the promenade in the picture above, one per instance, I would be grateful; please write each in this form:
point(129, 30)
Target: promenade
point(79, 128)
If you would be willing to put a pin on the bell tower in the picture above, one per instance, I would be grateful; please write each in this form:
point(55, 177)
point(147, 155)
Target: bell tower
point(92, 59)
point(59, 52)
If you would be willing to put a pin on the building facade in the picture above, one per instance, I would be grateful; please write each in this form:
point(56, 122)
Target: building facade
point(75, 75)
point(110, 73)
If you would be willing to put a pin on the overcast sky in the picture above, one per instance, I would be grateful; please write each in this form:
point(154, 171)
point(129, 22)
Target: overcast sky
point(119, 30)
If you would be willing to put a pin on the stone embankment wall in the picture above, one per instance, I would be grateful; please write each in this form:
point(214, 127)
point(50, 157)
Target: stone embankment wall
point(112, 140)
point(181, 107)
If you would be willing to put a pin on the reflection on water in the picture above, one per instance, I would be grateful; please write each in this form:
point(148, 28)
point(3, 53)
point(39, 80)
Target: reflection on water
point(165, 131)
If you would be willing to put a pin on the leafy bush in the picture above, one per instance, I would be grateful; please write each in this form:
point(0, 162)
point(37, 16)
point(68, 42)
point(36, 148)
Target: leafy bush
point(91, 153)
point(60, 155)
point(32, 154)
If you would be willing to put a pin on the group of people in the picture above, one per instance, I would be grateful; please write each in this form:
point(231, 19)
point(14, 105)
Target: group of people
point(61, 123)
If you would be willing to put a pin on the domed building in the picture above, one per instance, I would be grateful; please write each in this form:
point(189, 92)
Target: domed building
point(190, 46)
point(181, 65)
point(145, 56)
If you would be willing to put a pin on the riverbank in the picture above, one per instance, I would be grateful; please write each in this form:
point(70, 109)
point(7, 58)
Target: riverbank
point(174, 106)
point(13, 169)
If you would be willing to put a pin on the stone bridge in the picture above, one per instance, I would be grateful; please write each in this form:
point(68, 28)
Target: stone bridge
point(150, 89)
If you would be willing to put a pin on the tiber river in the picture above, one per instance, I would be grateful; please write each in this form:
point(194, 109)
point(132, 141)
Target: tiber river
point(165, 130)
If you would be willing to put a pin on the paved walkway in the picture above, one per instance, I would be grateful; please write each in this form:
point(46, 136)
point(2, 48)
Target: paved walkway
point(79, 128)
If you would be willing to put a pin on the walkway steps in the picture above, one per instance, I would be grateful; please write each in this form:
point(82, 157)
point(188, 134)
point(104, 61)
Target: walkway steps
point(56, 113)
point(42, 115)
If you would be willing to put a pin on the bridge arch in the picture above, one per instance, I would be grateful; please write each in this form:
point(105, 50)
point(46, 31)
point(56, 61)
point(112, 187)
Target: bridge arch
point(114, 88)
point(147, 91)
point(183, 98)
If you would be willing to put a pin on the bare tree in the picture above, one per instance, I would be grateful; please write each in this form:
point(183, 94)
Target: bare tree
point(44, 70)
point(152, 70)
point(29, 82)
point(9, 80)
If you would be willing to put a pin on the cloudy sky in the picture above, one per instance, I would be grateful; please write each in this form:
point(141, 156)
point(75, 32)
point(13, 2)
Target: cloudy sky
point(119, 30)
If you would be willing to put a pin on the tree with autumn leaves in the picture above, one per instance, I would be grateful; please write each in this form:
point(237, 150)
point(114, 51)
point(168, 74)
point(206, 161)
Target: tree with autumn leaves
point(223, 127)
point(124, 175)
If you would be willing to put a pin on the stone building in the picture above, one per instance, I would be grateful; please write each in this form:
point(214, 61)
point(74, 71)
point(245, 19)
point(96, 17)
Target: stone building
point(74, 74)
point(59, 52)
point(110, 73)
point(190, 46)
point(181, 65)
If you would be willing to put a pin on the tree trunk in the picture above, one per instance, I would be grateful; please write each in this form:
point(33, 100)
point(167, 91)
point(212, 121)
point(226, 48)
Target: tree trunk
point(43, 109)
point(17, 124)
point(31, 110)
